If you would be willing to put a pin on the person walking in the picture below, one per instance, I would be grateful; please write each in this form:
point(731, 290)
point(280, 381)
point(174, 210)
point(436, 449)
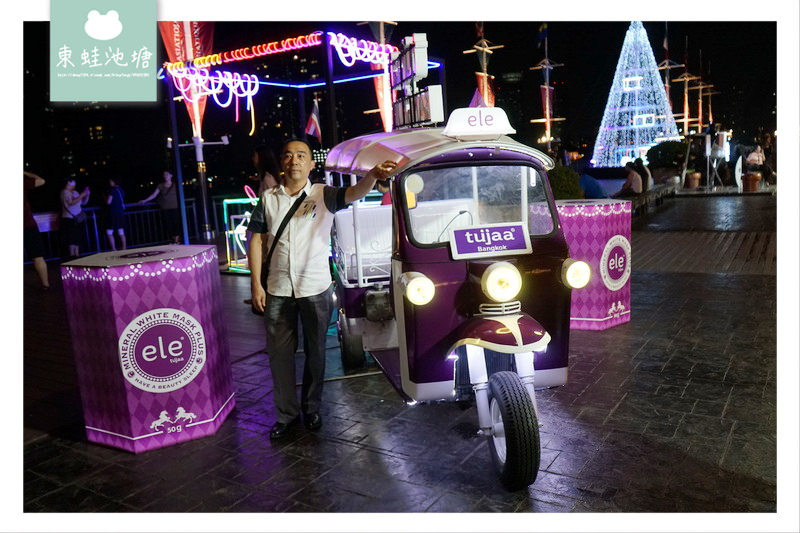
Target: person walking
point(31, 239)
point(115, 200)
point(73, 218)
point(168, 204)
point(297, 278)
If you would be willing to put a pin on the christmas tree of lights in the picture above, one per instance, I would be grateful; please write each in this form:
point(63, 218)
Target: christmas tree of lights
point(637, 114)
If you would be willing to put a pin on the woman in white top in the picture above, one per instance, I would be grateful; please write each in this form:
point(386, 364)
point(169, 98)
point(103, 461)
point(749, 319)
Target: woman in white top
point(72, 216)
point(633, 183)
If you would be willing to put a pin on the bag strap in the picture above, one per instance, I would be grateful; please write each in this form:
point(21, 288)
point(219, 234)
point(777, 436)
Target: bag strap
point(284, 222)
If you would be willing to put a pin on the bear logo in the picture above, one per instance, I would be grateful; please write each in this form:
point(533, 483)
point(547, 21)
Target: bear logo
point(102, 27)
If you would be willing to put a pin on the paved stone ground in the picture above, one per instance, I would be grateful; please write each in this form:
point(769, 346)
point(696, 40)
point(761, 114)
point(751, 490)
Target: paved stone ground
point(672, 412)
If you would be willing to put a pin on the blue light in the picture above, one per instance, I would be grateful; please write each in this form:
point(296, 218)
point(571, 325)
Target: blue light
point(432, 65)
point(320, 83)
point(291, 85)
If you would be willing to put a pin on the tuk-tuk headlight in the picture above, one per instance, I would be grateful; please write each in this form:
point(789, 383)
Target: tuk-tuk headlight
point(418, 288)
point(501, 282)
point(575, 274)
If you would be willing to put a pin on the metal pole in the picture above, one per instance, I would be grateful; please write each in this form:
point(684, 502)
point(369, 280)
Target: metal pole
point(331, 134)
point(206, 234)
point(301, 112)
point(177, 153)
point(443, 83)
point(547, 111)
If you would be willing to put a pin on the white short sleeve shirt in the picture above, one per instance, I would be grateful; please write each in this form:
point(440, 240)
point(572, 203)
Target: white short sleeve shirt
point(299, 265)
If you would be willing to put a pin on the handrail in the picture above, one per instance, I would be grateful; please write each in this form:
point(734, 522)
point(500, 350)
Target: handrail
point(143, 227)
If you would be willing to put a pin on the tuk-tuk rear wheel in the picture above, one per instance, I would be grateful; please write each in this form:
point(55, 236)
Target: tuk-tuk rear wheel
point(514, 444)
point(352, 346)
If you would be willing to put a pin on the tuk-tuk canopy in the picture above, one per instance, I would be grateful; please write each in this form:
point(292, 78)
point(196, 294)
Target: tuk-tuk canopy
point(405, 147)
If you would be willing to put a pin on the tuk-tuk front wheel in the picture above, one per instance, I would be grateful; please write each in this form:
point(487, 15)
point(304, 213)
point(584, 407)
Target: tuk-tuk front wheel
point(352, 346)
point(514, 443)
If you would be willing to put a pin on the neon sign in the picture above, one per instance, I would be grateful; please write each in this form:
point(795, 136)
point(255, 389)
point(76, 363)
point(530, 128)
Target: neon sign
point(250, 193)
point(194, 83)
point(250, 52)
point(351, 50)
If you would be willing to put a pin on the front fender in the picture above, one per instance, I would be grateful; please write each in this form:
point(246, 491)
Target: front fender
point(504, 333)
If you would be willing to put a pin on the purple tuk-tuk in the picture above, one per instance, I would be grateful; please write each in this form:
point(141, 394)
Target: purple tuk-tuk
point(461, 287)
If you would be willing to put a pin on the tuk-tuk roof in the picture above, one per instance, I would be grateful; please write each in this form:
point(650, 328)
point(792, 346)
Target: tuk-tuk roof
point(406, 147)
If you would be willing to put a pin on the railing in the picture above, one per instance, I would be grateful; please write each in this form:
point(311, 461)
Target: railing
point(144, 226)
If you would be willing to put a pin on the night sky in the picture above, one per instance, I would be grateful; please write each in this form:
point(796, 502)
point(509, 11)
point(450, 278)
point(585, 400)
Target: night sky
point(743, 70)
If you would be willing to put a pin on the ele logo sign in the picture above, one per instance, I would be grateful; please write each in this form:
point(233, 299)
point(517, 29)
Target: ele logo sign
point(615, 263)
point(103, 51)
point(162, 350)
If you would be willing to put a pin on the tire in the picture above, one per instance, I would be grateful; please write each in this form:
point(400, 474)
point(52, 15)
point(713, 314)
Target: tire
point(351, 345)
point(514, 444)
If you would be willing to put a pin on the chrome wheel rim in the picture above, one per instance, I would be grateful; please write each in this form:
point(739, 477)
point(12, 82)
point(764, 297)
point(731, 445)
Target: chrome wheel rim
point(498, 431)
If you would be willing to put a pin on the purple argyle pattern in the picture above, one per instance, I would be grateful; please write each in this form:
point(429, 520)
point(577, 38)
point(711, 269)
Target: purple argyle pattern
point(101, 302)
point(588, 227)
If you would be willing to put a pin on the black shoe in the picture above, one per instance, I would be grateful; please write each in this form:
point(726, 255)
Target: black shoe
point(280, 429)
point(312, 421)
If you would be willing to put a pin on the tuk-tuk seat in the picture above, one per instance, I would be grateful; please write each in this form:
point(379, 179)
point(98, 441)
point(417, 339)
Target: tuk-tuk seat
point(375, 226)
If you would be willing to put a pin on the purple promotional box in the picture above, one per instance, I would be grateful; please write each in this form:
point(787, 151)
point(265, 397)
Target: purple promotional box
point(599, 232)
point(149, 342)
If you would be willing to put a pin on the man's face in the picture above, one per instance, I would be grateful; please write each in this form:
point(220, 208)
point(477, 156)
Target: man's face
point(296, 161)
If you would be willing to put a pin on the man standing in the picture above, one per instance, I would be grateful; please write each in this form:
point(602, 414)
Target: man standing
point(115, 200)
point(298, 280)
point(31, 238)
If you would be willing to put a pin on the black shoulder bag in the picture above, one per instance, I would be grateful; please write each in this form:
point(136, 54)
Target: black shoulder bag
point(284, 222)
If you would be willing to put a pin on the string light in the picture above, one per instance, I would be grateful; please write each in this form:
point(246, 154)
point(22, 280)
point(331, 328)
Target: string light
point(637, 114)
point(605, 210)
point(250, 52)
point(154, 269)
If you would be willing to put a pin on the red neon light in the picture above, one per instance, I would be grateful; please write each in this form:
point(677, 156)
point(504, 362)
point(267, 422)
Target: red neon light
point(250, 52)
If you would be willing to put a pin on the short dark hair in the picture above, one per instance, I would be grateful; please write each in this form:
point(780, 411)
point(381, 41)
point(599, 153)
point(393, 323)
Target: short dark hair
point(295, 140)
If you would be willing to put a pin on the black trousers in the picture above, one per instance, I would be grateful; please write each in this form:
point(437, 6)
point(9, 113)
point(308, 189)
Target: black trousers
point(282, 341)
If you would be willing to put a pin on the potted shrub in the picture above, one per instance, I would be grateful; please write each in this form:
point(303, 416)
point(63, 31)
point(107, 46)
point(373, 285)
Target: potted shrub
point(750, 181)
point(565, 183)
point(692, 180)
point(666, 159)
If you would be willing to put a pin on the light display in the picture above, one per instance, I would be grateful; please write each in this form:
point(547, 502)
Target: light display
point(249, 52)
point(349, 50)
point(637, 114)
point(194, 83)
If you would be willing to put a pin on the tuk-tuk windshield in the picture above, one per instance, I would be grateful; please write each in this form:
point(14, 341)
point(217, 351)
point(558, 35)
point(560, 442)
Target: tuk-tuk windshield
point(440, 200)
